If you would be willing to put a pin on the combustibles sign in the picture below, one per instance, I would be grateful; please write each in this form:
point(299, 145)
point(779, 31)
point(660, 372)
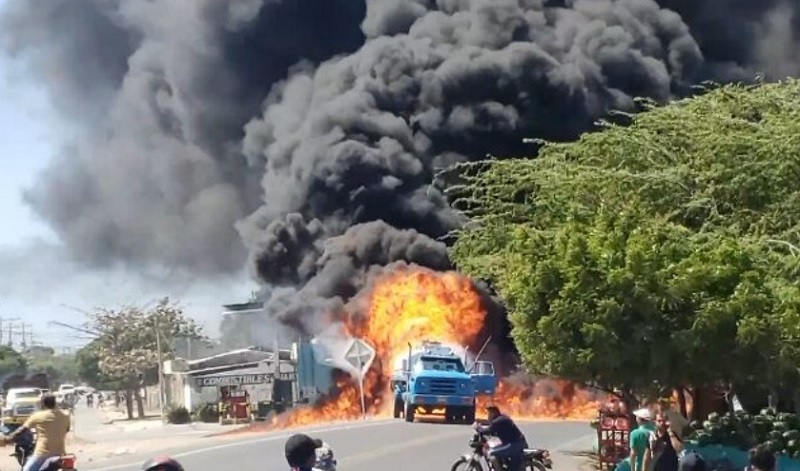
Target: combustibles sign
point(240, 380)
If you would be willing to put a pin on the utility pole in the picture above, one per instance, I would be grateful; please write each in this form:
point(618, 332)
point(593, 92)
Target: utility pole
point(9, 320)
point(160, 371)
point(24, 343)
point(13, 331)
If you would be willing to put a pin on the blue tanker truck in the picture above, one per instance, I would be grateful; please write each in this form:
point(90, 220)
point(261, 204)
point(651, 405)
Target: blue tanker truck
point(434, 377)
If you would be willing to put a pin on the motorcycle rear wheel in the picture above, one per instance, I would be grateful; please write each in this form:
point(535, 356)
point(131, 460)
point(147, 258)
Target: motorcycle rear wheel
point(463, 464)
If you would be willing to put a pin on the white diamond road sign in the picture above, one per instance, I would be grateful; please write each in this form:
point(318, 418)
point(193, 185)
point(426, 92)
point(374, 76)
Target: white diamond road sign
point(360, 355)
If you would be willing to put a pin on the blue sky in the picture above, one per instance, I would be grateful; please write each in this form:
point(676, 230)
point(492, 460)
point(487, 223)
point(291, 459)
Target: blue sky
point(25, 146)
point(40, 287)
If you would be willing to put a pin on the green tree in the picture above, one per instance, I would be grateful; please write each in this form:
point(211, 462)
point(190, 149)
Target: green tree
point(58, 368)
point(129, 341)
point(11, 362)
point(652, 255)
point(87, 361)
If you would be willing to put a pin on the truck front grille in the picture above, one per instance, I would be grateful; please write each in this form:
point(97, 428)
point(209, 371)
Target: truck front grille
point(25, 410)
point(443, 386)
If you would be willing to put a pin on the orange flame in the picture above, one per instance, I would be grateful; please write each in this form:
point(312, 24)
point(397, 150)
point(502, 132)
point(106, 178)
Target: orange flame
point(412, 304)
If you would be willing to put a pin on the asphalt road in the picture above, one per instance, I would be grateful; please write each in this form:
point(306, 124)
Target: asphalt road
point(388, 445)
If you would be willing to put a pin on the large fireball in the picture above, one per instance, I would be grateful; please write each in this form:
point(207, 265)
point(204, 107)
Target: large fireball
point(413, 304)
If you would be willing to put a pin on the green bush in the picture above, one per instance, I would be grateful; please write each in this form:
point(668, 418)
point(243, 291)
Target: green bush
point(206, 413)
point(178, 415)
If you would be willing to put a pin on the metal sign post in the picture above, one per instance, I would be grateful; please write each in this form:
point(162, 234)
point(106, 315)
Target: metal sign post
point(361, 389)
point(360, 355)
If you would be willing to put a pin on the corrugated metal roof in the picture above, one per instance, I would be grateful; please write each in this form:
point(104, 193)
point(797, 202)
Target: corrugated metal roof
point(254, 351)
point(239, 368)
point(244, 306)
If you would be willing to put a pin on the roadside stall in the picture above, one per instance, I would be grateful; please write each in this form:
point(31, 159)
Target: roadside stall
point(234, 405)
point(613, 435)
point(234, 402)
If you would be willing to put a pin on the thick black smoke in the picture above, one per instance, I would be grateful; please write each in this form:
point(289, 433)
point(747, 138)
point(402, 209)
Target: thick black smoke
point(342, 110)
point(159, 92)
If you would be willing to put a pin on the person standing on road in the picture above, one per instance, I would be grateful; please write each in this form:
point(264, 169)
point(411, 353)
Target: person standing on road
point(663, 448)
point(640, 438)
point(51, 427)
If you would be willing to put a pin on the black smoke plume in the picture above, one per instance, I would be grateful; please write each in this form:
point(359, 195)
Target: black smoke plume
point(306, 133)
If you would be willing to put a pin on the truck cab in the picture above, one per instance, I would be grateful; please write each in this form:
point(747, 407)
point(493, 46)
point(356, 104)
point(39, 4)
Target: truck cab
point(20, 404)
point(434, 378)
point(484, 377)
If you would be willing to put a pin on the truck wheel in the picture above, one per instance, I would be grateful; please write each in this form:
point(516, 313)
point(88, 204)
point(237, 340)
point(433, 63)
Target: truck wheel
point(409, 412)
point(398, 408)
point(470, 415)
point(449, 415)
point(463, 412)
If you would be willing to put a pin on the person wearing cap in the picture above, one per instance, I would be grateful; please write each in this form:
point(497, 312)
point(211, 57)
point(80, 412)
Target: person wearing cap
point(640, 438)
point(302, 453)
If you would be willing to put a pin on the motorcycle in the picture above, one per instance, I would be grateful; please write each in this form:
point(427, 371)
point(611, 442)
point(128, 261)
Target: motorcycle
point(23, 445)
point(59, 463)
point(478, 458)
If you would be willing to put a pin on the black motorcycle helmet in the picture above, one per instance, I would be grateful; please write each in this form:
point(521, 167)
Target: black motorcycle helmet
point(162, 463)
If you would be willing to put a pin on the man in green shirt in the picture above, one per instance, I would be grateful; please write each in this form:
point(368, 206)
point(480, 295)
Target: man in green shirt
point(640, 437)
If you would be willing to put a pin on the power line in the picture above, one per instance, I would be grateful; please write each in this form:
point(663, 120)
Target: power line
point(21, 331)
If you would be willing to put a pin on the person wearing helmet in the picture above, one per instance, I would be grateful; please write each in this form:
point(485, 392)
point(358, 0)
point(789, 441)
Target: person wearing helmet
point(162, 463)
point(304, 453)
point(325, 459)
point(512, 440)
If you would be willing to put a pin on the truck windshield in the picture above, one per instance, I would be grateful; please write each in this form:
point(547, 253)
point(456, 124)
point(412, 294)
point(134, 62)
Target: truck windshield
point(27, 395)
point(439, 364)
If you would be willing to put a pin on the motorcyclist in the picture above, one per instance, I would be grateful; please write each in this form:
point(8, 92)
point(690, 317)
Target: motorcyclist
point(512, 440)
point(51, 425)
point(304, 453)
point(162, 463)
point(326, 461)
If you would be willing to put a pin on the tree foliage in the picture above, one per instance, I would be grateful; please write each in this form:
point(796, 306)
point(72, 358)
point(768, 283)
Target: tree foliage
point(129, 341)
point(656, 254)
point(58, 368)
point(11, 362)
point(87, 361)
